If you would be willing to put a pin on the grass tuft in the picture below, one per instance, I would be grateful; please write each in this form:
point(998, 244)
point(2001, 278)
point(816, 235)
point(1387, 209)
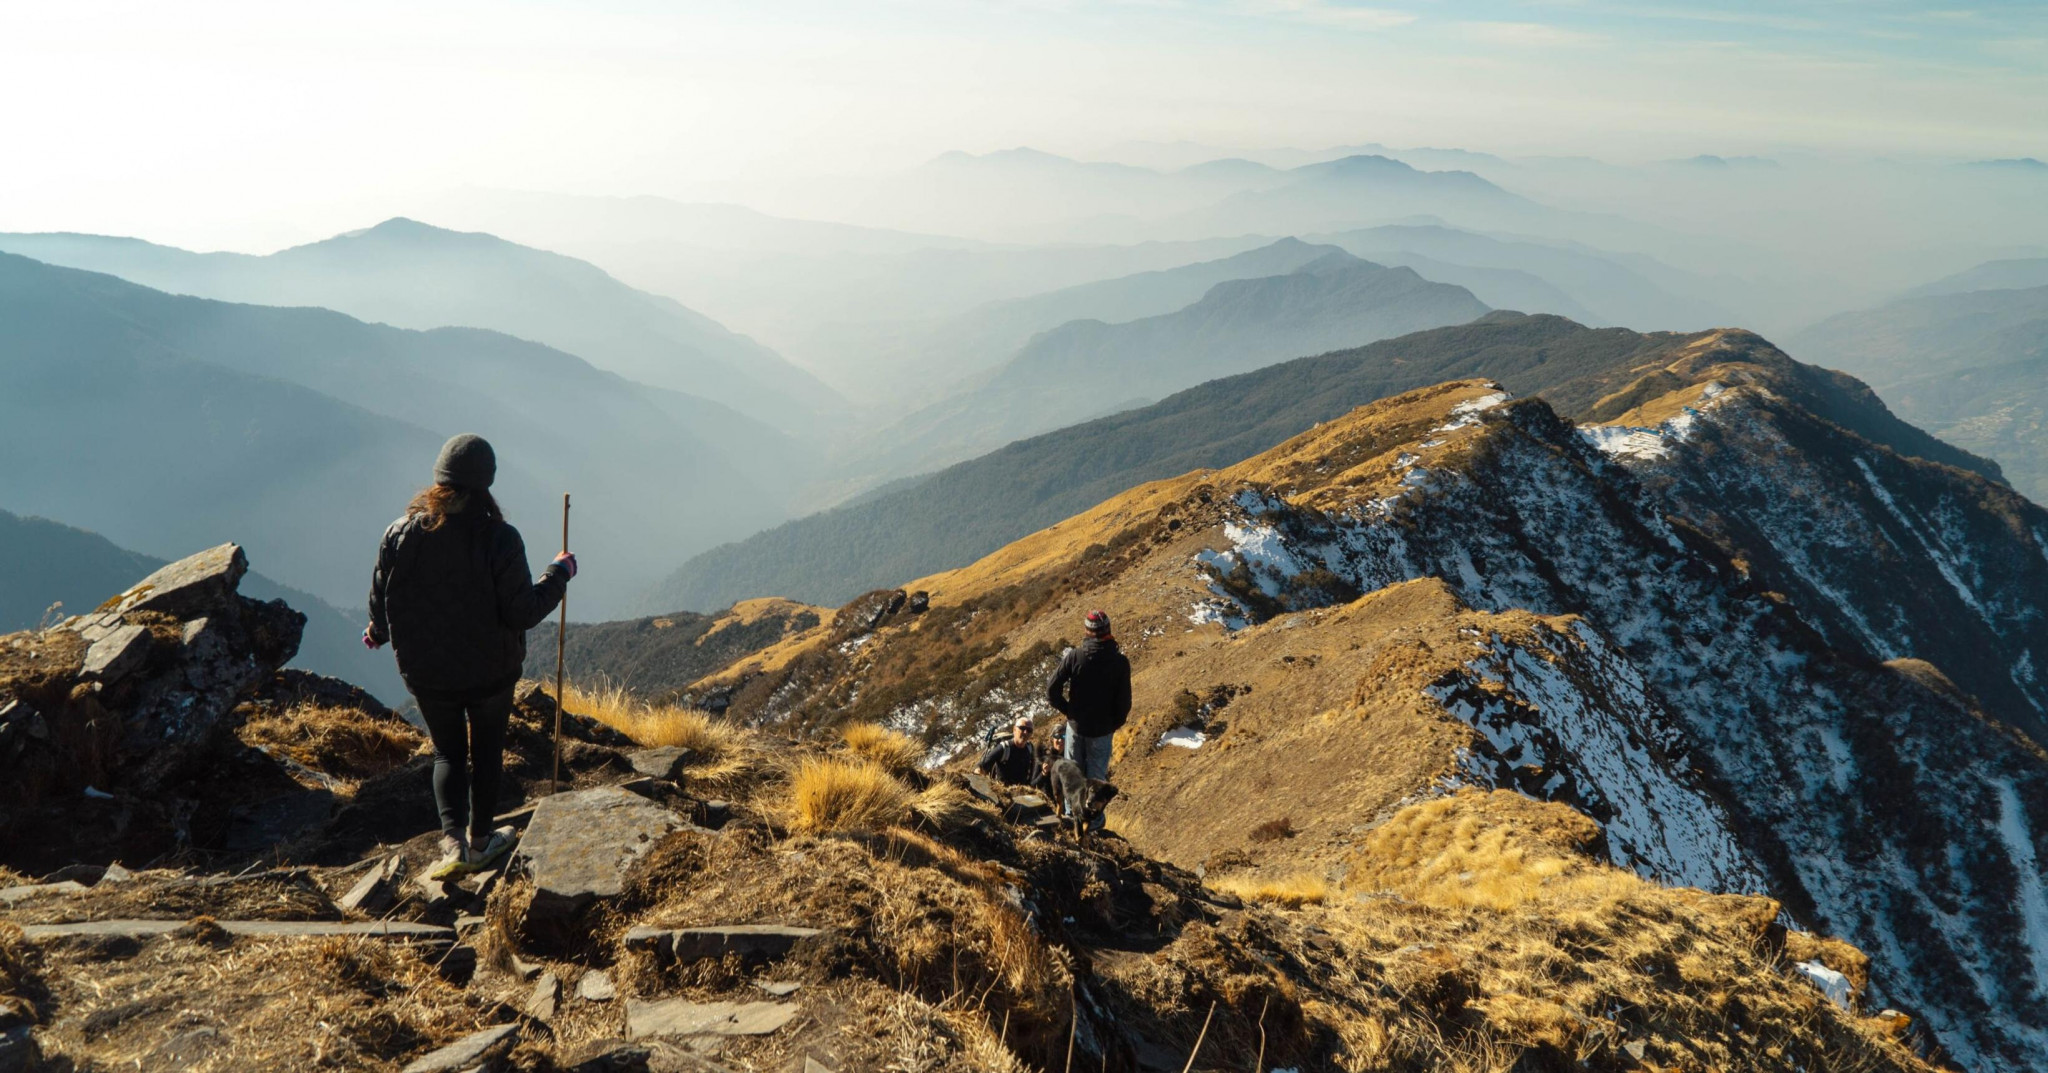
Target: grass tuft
point(651, 725)
point(885, 748)
point(1292, 892)
point(834, 795)
point(343, 742)
point(1274, 830)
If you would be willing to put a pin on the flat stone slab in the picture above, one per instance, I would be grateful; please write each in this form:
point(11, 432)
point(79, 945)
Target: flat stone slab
point(191, 586)
point(11, 895)
point(984, 787)
point(468, 1052)
point(663, 762)
point(687, 945)
point(122, 650)
point(681, 1017)
point(378, 887)
point(580, 844)
point(256, 929)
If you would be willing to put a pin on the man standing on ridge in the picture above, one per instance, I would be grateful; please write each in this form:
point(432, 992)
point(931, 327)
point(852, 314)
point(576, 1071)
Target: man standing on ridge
point(1092, 688)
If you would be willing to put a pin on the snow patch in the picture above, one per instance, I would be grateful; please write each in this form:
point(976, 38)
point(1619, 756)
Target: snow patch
point(1941, 559)
point(2033, 902)
point(1466, 414)
point(1576, 723)
point(1831, 983)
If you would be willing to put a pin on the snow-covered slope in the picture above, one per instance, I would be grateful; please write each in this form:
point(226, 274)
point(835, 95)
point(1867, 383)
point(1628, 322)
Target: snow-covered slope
point(1883, 809)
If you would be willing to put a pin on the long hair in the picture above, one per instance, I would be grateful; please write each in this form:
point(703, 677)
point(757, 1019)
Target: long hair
point(436, 502)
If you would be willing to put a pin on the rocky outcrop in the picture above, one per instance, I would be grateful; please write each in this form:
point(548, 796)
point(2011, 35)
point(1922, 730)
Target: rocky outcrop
point(122, 704)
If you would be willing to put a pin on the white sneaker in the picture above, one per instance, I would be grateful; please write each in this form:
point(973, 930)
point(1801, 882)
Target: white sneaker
point(454, 852)
point(501, 841)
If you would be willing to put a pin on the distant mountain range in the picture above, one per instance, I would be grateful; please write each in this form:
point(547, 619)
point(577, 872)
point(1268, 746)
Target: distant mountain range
point(2006, 275)
point(991, 334)
point(1971, 366)
point(1087, 368)
point(52, 563)
point(1627, 289)
point(170, 423)
point(965, 511)
point(411, 275)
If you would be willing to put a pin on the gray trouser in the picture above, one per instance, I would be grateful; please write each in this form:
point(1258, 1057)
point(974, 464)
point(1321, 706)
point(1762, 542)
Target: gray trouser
point(1091, 753)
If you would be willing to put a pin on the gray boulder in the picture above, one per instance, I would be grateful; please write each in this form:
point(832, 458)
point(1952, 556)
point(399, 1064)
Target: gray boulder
point(190, 587)
point(664, 762)
point(579, 845)
point(171, 700)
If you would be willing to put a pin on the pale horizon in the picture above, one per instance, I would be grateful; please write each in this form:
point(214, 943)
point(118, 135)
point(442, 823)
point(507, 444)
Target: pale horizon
point(250, 127)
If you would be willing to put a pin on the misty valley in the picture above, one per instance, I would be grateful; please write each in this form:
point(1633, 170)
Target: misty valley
point(1270, 582)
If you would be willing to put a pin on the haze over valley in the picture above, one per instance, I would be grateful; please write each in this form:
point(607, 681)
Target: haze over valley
point(1568, 482)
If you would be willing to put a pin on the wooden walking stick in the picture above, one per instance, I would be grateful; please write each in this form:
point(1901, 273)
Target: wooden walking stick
point(561, 649)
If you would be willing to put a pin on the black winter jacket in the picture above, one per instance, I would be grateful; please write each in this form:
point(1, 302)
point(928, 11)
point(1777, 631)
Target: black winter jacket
point(1015, 764)
point(1092, 687)
point(455, 602)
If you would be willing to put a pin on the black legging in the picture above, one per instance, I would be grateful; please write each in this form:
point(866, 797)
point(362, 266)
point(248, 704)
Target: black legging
point(469, 754)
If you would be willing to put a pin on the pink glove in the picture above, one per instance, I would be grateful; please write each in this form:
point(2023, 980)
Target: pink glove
point(369, 641)
point(566, 561)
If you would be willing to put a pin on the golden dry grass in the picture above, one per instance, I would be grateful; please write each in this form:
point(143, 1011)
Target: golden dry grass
point(650, 725)
point(341, 1003)
point(343, 742)
point(1492, 851)
point(885, 748)
point(943, 806)
point(828, 795)
point(1292, 892)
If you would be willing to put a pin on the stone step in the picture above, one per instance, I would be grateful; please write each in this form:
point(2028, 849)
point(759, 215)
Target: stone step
point(255, 929)
point(467, 1053)
point(686, 945)
point(681, 1017)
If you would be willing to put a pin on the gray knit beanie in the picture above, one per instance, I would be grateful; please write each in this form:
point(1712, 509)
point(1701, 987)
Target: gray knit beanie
point(466, 461)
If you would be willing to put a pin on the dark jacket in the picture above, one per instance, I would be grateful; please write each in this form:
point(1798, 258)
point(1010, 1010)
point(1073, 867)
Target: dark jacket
point(1092, 687)
point(456, 602)
point(1016, 765)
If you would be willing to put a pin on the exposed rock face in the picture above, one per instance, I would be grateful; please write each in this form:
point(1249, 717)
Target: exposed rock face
point(1691, 624)
point(1852, 786)
point(125, 699)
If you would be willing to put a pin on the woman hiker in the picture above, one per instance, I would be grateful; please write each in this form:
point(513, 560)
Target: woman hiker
point(452, 595)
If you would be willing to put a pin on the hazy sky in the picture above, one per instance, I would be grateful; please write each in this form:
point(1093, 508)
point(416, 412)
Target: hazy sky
point(246, 125)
